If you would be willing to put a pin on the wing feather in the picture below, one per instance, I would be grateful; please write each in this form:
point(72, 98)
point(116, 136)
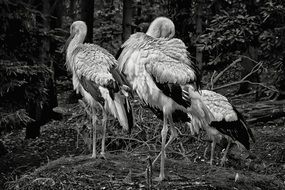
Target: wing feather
point(219, 105)
point(167, 60)
point(93, 63)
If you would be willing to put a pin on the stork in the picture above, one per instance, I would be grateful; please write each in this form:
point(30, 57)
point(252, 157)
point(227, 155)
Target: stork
point(95, 76)
point(157, 67)
point(228, 123)
point(225, 115)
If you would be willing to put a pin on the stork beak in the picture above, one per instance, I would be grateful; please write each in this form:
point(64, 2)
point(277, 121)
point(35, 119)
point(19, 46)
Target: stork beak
point(67, 42)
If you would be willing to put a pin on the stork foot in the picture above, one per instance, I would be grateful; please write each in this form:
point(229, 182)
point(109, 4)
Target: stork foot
point(103, 155)
point(94, 155)
point(210, 162)
point(159, 179)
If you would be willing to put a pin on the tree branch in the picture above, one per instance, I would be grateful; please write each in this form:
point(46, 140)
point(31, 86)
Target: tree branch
point(255, 69)
point(245, 81)
point(223, 71)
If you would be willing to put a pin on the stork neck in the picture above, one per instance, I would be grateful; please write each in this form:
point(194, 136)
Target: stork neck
point(76, 40)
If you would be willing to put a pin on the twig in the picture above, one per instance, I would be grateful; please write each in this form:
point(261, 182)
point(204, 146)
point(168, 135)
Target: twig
point(155, 137)
point(244, 56)
point(253, 70)
point(242, 95)
point(223, 71)
point(212, 78)
point(149, 172)
point(128, 138)
point(244, 81)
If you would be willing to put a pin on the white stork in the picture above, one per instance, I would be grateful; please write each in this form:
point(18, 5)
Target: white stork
point(228, 123)
point(95, 76)
point(157, 67)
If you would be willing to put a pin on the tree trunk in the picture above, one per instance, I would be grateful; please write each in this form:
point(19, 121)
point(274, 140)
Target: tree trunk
point(57, 14)
point(280, 82)
point(34, 111)
point(127, 19)
point(99, 4)
point(71, 9)
point(3, 150)
point(56, 23)
point(199, 55)
point(33, 130)
point(39, 110)
point(87, 14)
point(45, 49)
point(138, 18)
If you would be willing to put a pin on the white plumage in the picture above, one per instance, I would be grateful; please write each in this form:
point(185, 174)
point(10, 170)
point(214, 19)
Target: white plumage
point(157, 68)
point(228, 123)
point(94, 75)
point(219, 105)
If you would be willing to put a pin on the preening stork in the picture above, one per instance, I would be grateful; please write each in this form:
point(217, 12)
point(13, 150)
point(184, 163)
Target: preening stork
point(95, 76)
point(228, 123)
point(157, 67)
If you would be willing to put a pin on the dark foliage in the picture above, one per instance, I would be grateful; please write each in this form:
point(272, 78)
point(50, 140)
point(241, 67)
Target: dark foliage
point(21, 86)
point(15, 120)
point(20, 33)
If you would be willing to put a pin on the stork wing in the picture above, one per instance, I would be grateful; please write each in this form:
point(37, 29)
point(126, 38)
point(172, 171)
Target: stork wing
point(219, 105)
point(93, 63)
point(167, 60)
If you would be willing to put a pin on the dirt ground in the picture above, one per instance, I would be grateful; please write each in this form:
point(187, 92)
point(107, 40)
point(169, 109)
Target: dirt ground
point(60, 158)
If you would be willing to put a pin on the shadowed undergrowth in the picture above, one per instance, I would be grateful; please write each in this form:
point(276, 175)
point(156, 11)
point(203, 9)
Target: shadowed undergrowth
point(64, 162)
point(82, 172)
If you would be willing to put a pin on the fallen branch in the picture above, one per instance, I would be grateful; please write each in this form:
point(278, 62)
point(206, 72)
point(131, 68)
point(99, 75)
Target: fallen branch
point(243, 95)
point(267, 117)
point(263, 111)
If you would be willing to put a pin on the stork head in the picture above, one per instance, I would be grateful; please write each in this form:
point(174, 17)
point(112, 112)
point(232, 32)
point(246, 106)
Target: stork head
point(161, 27)
point(77, 28)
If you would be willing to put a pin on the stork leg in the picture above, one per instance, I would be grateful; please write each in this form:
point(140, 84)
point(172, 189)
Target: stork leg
point(212, 151)
point(104, 123)
point(172, 137)
point(206, 149)
point(163, 136)
point(94, 119)
point(223, 160)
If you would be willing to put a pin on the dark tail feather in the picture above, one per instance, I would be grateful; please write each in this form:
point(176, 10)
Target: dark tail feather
point(124, 111)
point(121, 79)
point(240, 116)
point(235, 130)
point(129, 113)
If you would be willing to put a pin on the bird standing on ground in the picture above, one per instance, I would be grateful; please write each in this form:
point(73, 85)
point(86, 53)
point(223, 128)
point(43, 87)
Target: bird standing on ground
point(94, 75)
point(157, 67)
point(228, 123)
